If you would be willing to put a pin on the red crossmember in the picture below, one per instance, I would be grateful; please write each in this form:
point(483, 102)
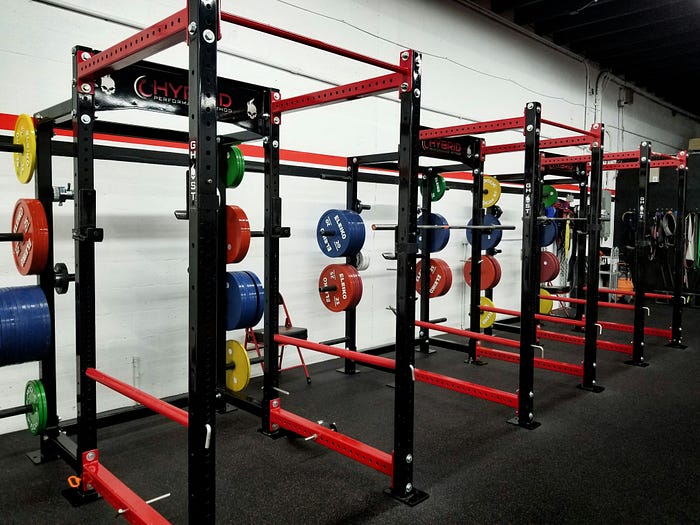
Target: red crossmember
point(450, 383)
point(318, 44)
point(580, 341)
point(565, 161)
point(473, 129)
point(539, 317)
point(628, 328)
point(383, 362)
point(338, 94)
point(578, 140)
point(157, 405)
point(650, 295)
point(467, 333)
point(570, 128)
point(545, 364)
point(143, 44)
point(573, 300)
point(635, 165)
point(117, 494)
point(347, 446)
point(464, 387)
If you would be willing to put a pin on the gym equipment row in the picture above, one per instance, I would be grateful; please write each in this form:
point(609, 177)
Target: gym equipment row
point(211, 364)
point(642, 161)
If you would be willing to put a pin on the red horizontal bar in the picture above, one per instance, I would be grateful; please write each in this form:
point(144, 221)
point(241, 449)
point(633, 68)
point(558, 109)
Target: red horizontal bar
point(580, 341)
point(359, 357)
point(635, 165)
point(117, 494)
point(143, 44)
point(539, 317)
point(465, 387)
point(569, 128)
point(662, 155)
point(545, 364)
point(466, 333)
point(572, 159)
point(629, 328)
point(621, 166)
point(564, 338)
point(577, 140)
point(347, 446)
point(338, 94)
point(622, 155)
point(423, 376)
point(473, 129)
point(583, 301)
point(311, 42)
point(157, 405)
point(614, 347)
point(650, 295)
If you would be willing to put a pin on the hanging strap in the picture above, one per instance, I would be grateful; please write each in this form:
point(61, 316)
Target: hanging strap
point(691, 252)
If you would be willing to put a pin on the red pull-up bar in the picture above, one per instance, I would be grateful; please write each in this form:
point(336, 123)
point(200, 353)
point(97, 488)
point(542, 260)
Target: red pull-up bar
point(311, 42)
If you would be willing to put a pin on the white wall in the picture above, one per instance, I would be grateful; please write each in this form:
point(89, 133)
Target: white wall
point(473, 69)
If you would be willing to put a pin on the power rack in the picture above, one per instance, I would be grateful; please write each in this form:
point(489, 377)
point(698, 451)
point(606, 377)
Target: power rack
point(532, 179)
point(199, 25)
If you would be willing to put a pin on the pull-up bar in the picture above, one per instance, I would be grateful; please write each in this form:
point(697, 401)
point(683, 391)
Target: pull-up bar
point(311, 42)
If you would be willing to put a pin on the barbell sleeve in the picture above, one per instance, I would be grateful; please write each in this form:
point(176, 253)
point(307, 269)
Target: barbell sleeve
point(11, 237)
point(15, 411)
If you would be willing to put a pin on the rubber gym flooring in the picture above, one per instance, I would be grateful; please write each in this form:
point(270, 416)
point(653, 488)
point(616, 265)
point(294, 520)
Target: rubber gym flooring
point(627, 455)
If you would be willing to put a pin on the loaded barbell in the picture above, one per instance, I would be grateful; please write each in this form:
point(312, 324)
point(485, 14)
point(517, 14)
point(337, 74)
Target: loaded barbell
point(35, 408)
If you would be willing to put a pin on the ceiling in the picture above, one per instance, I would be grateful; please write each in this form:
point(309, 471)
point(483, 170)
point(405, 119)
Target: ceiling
point(654, 44)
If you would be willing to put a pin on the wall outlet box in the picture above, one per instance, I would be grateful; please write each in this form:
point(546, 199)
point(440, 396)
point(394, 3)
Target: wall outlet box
point(654, 174)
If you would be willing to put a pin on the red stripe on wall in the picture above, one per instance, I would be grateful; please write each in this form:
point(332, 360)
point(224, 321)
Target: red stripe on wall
point(7, 122)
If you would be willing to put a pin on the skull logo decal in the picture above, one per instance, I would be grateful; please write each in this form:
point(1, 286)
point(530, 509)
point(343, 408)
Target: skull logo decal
point(107, 85)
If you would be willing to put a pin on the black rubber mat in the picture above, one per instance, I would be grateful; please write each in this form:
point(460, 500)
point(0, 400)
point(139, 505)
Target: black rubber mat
point(626, 455)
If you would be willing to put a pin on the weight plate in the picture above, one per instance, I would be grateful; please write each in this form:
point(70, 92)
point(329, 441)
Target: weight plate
point(440, 277)
point(492, 191)
point(488, 240)
point(237, 234)
point(447, 271)
point(437, 238)
point(546, 305)
point(35, 395)
point(241, 300)
point(257, 312)
point(357, 227)
point(348, 287)
point(437, 187)
point(340, 233)
point(548, 233)
point(549, 267)
point(237, 378)
point(32, 253)
point(549, 195)
point(490, 272)
point(362, 262)
point(235, 167)
point(550, 211)
point(499, 271)
point(25, 325)
point(25, 135)
point(486, 319)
